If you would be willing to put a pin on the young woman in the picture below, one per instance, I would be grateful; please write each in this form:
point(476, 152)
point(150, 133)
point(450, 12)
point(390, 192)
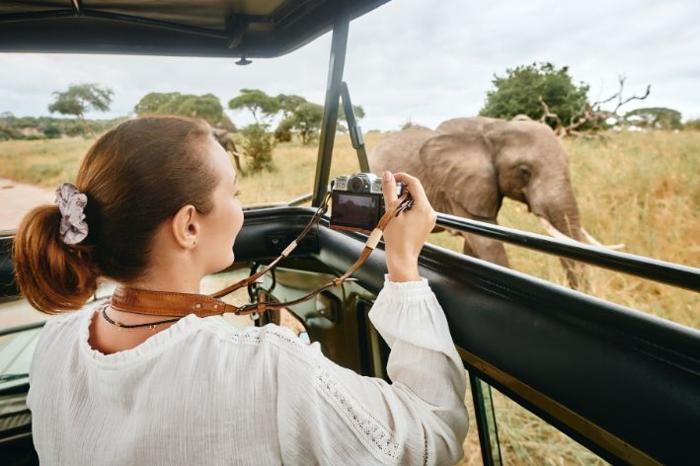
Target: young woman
point(155, 207)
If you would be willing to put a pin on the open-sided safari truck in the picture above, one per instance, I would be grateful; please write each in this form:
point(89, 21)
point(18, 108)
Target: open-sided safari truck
point(621, 383)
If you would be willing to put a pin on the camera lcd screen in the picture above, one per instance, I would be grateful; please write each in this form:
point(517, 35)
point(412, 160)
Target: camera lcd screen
point(353, 209)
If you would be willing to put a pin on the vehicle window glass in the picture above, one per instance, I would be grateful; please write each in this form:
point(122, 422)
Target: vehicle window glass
point(471, 446)
point(527, 439)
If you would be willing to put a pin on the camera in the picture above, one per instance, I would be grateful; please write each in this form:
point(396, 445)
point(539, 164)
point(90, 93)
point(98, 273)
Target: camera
point(357, 202)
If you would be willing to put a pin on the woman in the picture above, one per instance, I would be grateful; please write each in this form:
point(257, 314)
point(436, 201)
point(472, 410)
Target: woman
point(155, 207)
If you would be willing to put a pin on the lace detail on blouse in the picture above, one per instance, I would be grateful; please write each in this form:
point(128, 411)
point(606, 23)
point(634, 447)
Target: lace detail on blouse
point(373, 435)
point(376, 438)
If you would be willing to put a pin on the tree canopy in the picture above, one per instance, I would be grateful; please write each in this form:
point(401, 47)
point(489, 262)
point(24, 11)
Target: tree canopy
point(207, 107)
point(81, 98)
point(257, 102)
point(655, 117)
point(301, 117)
point(305, 121)
point(289, 103)
point(520, 90)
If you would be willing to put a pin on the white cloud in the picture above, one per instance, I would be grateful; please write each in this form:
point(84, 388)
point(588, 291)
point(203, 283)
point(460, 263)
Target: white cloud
point(427, 61)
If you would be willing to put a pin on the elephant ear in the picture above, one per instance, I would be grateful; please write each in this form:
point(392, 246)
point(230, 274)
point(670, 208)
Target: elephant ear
point(461, 174)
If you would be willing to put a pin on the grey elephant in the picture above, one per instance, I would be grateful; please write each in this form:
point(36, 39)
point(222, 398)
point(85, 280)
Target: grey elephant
point(467, 166)
point(225, 138)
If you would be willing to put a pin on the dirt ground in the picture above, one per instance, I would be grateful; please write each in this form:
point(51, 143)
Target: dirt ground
point(17, 199)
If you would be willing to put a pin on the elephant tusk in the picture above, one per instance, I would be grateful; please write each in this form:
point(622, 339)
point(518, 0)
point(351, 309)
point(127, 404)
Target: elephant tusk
point(553, 232)
point(595, 242)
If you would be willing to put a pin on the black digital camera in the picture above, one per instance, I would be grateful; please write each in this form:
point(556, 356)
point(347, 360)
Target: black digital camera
point(357, 202)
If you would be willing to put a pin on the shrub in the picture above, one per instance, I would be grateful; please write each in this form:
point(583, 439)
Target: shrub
point(52, 132)
point(257, 145)
point(283, 132)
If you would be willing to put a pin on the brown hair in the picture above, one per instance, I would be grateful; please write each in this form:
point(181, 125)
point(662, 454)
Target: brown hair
point(135, 176)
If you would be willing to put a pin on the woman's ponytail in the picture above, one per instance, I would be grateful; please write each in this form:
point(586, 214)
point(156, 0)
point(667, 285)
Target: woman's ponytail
point(133, 178)
point(52, 275)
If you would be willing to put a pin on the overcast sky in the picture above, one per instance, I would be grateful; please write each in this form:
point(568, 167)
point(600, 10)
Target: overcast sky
point(423, 60)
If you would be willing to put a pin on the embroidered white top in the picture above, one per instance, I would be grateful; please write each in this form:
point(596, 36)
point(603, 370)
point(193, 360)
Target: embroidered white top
point(204, 392)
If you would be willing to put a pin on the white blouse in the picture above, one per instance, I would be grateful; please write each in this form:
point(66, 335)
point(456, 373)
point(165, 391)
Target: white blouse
point(204, 392)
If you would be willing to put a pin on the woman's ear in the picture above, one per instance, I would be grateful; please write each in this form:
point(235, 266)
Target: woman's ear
point(185, 227)
point(461, 173)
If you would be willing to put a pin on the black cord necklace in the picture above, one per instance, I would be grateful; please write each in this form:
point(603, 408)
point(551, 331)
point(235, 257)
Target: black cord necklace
point(148, 324)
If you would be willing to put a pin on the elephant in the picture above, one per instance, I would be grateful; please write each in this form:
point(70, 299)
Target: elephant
point(225, 138)
point(467, 166)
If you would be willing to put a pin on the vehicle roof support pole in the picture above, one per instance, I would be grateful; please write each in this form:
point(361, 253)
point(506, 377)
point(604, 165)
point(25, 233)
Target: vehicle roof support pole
point(354, 129)
point(330, 108)
point(485, 422)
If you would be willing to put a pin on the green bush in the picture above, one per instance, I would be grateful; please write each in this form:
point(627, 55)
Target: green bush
point(52, 132)
point(75, 130)
point(519, 92)
point(257, 145)
point(283, 132)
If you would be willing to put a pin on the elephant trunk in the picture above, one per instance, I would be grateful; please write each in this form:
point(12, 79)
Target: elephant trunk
point(554, 203)
point(559, 215)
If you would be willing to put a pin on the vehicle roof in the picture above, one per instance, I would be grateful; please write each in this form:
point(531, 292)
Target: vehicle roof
point(250, 28)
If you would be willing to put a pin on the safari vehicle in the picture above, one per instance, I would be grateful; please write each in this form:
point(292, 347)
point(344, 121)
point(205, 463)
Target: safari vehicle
point(624, 384)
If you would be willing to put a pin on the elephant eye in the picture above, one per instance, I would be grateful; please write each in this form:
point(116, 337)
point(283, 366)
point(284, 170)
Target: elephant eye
point(524, 172)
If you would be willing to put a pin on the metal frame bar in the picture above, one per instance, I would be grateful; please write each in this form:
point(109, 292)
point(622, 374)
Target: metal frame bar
point(297, 201)
point(682, 276)
point(355, 131)
point(481, 415)
point(21, 328)
point(330, 108)
point(580, 429)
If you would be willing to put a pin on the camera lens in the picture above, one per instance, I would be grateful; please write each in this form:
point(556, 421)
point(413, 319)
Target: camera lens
point(355, 184)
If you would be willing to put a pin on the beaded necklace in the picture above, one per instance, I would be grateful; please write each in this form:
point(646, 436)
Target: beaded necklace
point(152, 325)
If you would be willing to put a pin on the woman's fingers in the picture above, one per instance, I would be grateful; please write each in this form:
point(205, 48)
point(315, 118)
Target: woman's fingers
point(389, 190)
point(414, 187)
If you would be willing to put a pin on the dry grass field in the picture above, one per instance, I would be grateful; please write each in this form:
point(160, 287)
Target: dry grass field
point(641, 189)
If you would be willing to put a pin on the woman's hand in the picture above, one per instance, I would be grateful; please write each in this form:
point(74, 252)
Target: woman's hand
point(405, 235)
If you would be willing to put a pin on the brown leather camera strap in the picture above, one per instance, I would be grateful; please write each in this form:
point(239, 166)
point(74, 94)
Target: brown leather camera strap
point(174, 304)
point(287, 251)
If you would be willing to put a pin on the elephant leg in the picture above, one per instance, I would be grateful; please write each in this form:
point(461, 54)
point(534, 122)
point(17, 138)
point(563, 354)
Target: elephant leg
point(575, 274)
point(484, 248)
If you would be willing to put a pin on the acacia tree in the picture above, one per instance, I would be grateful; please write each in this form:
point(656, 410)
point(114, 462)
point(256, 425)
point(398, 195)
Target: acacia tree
point(655, 117)
point(304, 118)
point(207, 107)
point(306, 121)
point(258, 142)
point(80, 98)
point(289, 103)
point(257, 102)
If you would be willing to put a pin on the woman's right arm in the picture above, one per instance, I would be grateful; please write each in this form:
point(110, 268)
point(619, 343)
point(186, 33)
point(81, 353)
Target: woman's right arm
point(345, 418)
point(328, 414)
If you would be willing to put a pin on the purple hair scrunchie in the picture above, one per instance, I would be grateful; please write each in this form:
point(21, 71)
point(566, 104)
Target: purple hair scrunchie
point(71, 203)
